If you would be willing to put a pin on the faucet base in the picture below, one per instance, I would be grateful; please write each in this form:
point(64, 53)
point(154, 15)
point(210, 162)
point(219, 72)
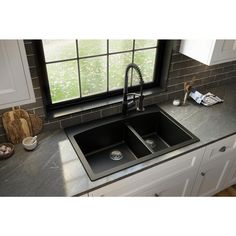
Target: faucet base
point(140, 110)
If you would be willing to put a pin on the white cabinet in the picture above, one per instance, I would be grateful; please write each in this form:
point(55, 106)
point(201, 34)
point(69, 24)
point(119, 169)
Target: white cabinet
point(211, 178)
point(231, 178)
point(209, 52)
point(217, 164)
point(172, 178)
point(15, 80)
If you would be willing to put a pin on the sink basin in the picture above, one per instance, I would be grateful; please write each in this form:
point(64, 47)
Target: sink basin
point(113, 144)
point(110, 145)
point(158, 131)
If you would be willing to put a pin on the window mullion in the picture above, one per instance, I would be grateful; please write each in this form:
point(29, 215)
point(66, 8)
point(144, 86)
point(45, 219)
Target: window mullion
point(77, 52)
point(107, 65)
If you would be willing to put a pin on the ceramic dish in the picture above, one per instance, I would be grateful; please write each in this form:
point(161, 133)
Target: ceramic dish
point(28, 144)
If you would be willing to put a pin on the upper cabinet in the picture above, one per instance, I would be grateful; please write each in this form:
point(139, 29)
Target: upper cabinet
point(15, 80)
point(209, 52)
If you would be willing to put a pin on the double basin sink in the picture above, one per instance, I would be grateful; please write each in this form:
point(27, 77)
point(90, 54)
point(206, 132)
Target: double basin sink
point(113, 144)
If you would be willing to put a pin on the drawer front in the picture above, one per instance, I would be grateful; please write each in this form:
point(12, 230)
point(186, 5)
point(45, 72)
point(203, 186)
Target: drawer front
point(176, 166)
point(220, 149)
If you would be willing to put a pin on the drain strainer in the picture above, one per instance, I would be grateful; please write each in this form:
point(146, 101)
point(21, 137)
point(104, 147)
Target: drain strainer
point(150, 143)
point(116, 155)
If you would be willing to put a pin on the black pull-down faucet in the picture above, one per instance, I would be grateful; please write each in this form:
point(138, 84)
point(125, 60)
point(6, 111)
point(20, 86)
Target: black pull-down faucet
point(126, 105)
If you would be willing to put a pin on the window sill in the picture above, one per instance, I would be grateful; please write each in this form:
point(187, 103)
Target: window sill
point(101, 103)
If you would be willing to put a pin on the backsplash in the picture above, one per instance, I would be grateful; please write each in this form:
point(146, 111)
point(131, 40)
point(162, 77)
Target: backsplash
point(182, 68)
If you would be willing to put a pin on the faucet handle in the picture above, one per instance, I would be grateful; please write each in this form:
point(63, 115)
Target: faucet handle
point(134, 95)
point(140, 106)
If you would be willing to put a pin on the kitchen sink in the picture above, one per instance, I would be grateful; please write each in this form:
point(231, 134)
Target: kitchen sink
point(113, 144)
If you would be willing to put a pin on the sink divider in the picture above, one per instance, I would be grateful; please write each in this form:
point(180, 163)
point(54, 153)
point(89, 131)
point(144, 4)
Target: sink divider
point(101, 149)
point(138, 136)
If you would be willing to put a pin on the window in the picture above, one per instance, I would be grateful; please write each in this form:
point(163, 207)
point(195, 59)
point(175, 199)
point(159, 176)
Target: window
point(84, 70)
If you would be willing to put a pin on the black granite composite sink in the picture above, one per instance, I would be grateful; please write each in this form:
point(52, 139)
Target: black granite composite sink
point(113, 144)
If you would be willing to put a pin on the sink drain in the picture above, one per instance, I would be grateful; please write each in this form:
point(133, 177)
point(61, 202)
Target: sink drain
point(116, 155)
point(150, 143)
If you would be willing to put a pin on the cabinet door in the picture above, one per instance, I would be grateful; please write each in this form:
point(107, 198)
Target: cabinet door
point(231, 178)
point(200, 50)
point(209, 52)
point(224, 51)
point(16, 85)
point(211, 177)
point(176, 186)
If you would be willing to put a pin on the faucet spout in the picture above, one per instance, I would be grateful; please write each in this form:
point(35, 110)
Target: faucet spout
point(126, 105)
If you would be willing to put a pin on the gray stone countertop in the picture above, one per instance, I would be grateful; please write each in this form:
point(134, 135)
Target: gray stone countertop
point(53, 168)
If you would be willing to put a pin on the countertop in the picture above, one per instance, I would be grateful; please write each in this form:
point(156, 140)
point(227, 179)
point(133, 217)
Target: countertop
point(53, 168)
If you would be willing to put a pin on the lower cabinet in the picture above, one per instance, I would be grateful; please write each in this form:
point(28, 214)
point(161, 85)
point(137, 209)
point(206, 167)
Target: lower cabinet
point(217, 170)
point(231, 178)
point(211, 178)
point(203, 172)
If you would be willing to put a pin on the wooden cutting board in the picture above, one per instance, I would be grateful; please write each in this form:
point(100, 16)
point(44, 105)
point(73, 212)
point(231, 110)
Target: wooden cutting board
point(37, 123)
point(17, 125)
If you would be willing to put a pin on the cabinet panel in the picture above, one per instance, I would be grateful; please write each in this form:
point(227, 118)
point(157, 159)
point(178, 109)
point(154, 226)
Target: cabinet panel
point(231, 178)
point(211, 177)
point(16, 85)
point(225, 50)
point(199, 50)
point(216, 167)
point(209, 52)
point(179, 185)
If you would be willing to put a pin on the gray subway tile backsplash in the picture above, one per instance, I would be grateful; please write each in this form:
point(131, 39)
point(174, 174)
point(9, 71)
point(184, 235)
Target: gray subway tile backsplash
point(93, 115)
point(71, 121)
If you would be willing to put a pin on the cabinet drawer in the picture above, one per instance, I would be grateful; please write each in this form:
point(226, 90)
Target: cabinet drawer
point(220, 148)
point(170, 168)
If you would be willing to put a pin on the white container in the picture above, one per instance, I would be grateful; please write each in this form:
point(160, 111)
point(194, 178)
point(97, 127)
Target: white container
point(28, 144)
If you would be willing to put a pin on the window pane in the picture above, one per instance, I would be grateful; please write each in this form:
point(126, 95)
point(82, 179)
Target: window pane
point(55, 50)
point(145, 60)
point(117, 65)
point(145, 43)
point(120, 45)
point(93, 73)
point(92, 47)
point(63, 80)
